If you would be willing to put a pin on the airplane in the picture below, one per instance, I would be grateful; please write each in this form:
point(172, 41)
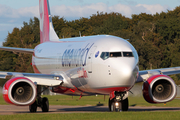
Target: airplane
point(82, 66)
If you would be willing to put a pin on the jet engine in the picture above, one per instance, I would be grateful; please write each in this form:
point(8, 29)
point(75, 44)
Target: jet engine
point(19, 91)
point(159, 89)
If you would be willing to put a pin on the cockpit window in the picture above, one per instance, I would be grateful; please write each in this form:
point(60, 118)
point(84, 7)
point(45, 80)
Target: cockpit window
point(105, 55)
point(115, 54)
point(135, 55)
point(128, 54)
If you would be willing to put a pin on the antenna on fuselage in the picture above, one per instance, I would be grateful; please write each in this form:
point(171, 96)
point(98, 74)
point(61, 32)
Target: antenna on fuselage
point(80, 33)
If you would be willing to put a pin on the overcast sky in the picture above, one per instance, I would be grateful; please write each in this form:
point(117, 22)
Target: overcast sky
point(14, 12)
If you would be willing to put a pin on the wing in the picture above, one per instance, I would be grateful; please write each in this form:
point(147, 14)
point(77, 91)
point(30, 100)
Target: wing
point(145, 74)
point(21, 50)
point(38, 79)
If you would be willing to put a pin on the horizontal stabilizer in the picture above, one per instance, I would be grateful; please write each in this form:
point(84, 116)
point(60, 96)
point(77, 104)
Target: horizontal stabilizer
point(21, 50)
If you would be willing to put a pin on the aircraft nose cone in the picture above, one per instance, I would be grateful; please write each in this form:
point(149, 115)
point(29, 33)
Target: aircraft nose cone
point(127, 70)
point(122, 75)
point(128, 73)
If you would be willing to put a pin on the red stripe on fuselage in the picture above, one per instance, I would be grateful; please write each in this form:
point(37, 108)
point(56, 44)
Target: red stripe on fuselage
point(75, 91)
point(111, 89)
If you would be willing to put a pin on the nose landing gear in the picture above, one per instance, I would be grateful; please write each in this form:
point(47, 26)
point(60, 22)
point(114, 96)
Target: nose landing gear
point(118, 102)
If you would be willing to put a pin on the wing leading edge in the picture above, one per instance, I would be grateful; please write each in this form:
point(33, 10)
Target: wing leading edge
point(145, 74)
point(38, 79)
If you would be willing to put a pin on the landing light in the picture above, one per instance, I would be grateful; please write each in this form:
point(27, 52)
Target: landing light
point(56, 78)
point(116, 104)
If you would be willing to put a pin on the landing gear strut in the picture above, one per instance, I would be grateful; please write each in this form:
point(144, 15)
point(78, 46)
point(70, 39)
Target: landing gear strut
point(43, 103)
point(118, 103)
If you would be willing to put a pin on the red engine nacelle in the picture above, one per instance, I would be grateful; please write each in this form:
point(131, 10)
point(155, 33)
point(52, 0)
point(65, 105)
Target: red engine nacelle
point(19, 91)
point(159, 89)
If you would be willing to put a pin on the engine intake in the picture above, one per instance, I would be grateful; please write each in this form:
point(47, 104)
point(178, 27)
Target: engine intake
point(19, 91)
point(159, 89)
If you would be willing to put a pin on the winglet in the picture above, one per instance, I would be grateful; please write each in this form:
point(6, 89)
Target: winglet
point(47, 32)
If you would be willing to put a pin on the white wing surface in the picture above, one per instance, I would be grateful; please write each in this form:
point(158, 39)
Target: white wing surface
point(38, 79)
point(145, 74)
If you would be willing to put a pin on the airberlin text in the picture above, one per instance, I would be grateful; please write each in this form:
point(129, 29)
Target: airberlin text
point(76, 57)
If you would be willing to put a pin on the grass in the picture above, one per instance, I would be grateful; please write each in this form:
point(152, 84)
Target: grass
point(97, 116)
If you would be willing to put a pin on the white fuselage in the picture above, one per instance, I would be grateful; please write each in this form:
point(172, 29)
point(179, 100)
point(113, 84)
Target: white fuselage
point(87, 63)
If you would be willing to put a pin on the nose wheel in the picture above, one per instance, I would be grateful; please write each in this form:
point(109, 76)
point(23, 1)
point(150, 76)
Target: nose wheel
point(117, 106)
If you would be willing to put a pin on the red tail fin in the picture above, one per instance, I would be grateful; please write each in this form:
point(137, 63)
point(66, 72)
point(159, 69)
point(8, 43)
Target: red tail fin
point(47, 32)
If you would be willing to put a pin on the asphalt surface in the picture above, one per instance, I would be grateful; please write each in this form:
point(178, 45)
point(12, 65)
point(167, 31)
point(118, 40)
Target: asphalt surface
point(10, 109)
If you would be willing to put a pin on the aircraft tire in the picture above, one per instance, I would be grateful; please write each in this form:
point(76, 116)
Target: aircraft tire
point(45, 104)
point(113, 107)
point(110, 101)
point(33, 107)
point(125, 105)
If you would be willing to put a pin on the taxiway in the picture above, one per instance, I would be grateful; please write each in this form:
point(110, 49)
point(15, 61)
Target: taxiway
point(10, 109)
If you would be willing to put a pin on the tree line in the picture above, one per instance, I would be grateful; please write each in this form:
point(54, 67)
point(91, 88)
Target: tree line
point(155, 37)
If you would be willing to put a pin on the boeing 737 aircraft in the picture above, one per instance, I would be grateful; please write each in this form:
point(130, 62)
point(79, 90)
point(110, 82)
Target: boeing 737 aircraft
point(101, 64)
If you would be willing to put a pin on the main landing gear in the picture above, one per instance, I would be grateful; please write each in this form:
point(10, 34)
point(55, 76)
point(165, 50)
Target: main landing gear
point(118, 101)
point(43, 103)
